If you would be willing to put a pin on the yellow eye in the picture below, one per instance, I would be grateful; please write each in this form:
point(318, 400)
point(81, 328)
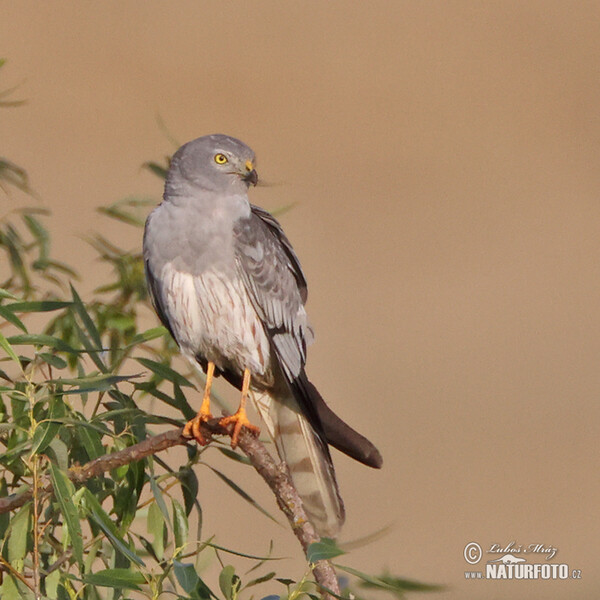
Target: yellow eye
point(221, 159)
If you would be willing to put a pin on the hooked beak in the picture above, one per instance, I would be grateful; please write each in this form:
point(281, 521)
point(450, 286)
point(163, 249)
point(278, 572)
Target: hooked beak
point(251, 176)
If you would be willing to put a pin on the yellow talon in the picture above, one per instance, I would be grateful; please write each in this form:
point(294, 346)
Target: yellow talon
point(192, 428)
point(240, 418)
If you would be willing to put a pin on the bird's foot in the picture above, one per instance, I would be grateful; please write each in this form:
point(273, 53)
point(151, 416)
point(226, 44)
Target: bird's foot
point(239, 420)
point(193, 428)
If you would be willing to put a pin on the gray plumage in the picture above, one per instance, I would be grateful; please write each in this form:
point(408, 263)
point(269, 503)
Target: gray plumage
point(225, 281)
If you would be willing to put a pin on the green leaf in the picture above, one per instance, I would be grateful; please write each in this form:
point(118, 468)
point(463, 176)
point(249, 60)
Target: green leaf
point(238, 490)
point(40, 339)
point(189, 488)
point(87, 321)
point(92, 349)
point(37, 306)
point(147, 336)
point(64, 491)
point(99, 516)
point(116, 578)
point(20, 529)
point(158, 496)
point(12, 318)
point(260, 580)
point(156, 527)
point(5, 344)
point(121, 210)
point(40, 233)
point(251, 556)
point(164, 372)
point(91, 442)
point(93, 383)
point(391, 584)
point(4, 293)
point(155, 168)
point(323, 550)
point(53, 360)
point(188, 579)
point(180, 524)
point(10, 590)
point(234, 455)
point(58, 453)
point(229, 582)
point(186, 575)
point(178, 400)
point(48, 428)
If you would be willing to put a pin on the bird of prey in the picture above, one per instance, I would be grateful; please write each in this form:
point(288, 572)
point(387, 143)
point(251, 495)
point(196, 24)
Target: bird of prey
point(226, 282)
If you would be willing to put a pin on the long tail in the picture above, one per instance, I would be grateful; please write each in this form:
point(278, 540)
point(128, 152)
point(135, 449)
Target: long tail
point(307, 457)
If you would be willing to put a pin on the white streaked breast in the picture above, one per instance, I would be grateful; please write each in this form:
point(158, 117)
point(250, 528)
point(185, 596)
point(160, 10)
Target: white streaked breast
point(211, 315)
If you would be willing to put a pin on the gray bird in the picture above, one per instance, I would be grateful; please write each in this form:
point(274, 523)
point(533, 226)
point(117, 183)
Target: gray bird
point(227, 284)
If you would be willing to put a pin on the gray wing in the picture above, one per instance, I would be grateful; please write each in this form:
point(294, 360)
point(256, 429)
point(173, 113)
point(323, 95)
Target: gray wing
point(154, 289)
point(276, 286)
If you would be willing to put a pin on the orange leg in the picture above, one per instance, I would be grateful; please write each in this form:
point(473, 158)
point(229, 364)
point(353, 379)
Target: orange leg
point(192, 428)
point(239, 418)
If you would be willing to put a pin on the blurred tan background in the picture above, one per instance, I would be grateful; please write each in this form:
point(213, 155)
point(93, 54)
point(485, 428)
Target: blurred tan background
point(444, 161)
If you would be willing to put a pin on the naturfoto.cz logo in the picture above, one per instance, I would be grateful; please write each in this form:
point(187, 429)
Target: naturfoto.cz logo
point(510, 566)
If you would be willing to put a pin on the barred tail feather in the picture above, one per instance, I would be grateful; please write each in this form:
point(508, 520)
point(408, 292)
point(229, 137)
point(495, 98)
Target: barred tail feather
point(308, 461)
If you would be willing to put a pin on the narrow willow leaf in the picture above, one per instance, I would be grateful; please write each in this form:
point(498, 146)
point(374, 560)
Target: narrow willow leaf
point(4, 293)
point(260, 580)
point(5, 345)
point(234, 455)
point(87, 321)
point(189, 488)
point(48, 428)
point(64, 491)
point(251, 556)
point(12, 318)
point(94, 383)
point(178, 401)
point(399, 586)
point(155, 168)
point(164, 372)
point(58, 452)
point(99, 516)
point(238, 490)
point(117, 212)
point(56, 361)
point(180, 524)
point(20, 528)
point(37, 306)
point(323, 550)
point(92, 349)
point(387, 583)
point(158, 496)
point(40, 339)
point(116, 578)
point(156, 527)
point(40, 233)
point(147, 336)
point(91, 442)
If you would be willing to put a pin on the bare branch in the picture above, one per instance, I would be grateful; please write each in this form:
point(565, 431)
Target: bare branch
point(275, 475)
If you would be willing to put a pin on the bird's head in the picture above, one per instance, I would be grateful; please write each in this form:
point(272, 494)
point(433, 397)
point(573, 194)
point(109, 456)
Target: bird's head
point(217, 163)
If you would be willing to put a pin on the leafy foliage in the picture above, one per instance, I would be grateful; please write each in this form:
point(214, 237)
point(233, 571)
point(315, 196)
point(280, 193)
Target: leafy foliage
point(75, 380)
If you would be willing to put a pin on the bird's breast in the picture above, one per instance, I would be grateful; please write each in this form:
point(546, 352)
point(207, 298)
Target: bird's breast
point(212, 316)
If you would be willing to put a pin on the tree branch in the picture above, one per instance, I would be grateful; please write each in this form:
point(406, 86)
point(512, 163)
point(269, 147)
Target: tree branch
point(275, 475)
